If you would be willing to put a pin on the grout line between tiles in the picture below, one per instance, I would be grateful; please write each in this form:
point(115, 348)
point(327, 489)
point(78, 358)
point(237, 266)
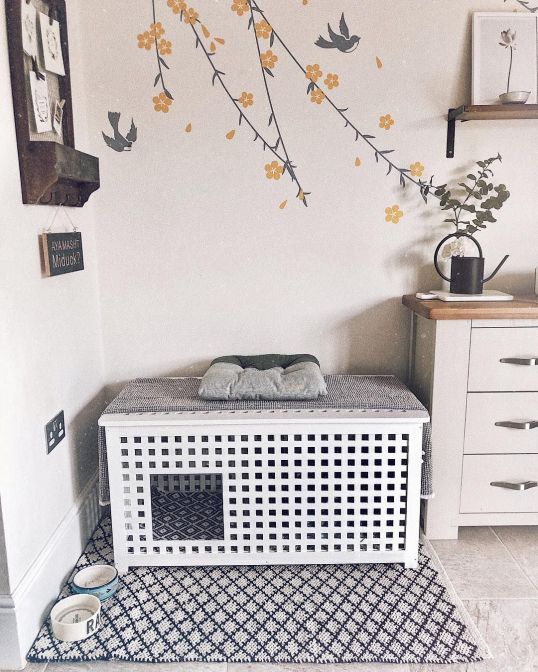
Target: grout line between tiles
point(521, 569)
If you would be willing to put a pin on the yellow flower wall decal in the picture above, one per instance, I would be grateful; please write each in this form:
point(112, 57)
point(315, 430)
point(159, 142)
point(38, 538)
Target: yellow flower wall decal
point(313, 72)
point(386, 121)
point(283, 205)
point(177, 6)
point(268, 59)
point(161, 103)
point(240, 7)
point(164, 47)
point(190, 16)
point(357, 162)
point(263, 29)
point(393, 214)
point(156, 30)
point(331, 81)
point(317, 96)
point(145, 40)
point(273, 170)
point(246, 99)
point(416, 169)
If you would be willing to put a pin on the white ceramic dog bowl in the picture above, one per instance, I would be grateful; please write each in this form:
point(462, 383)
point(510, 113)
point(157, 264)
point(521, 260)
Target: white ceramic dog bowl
point(76, 617)
point(98, 580)
point(519, 97)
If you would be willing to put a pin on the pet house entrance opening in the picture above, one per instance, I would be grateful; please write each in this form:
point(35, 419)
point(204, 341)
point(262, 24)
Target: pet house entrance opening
point(187, 506)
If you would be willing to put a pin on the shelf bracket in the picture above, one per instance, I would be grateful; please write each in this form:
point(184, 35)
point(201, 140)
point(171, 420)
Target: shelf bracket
point(453, 114)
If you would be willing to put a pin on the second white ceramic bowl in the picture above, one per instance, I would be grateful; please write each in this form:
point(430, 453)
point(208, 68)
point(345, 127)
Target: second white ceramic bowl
point(76, 617)
point(512, 97)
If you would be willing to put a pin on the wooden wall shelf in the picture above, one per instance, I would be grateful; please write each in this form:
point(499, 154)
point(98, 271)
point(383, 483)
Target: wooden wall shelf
point(52, 171)
point(484, 113)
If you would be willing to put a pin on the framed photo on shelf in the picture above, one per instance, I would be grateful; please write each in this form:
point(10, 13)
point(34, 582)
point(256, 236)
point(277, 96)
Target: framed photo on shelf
point(505, 58)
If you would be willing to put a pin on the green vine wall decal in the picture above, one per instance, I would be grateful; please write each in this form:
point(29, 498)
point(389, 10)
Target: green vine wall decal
point(527, 5)
point(275, 168)
point(318, 90)
point(263, 30)
point(319, 95)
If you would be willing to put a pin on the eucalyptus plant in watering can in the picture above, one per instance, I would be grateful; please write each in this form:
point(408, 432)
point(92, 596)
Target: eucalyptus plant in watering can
point(469, 214)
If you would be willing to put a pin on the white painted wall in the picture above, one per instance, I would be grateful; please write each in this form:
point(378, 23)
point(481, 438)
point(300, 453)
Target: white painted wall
point(50, 337)
point(196, 258)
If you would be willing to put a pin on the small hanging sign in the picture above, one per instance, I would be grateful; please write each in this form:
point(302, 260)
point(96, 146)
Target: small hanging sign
point(62, 252)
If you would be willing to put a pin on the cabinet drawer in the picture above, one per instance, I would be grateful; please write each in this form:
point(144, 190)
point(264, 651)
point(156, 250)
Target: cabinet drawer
point(479, 496)
point(482, 435)
point(488, 346)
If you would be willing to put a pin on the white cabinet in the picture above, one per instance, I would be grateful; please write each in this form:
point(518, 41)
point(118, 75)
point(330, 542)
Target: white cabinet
point(479, 379)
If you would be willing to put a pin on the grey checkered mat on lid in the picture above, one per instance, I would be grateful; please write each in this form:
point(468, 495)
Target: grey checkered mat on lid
point(159, 395)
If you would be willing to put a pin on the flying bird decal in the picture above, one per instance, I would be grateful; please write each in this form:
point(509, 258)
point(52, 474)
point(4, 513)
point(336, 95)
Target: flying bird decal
point(118, 142)
point(343, 41)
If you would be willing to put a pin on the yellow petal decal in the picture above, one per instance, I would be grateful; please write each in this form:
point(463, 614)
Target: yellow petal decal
point(230, 134)
point(212, 46)
point(205, 31)
point(378, 62)
point(188, 127)
point(357, 162)
point(220, 40)
point(282, 205)
point(301, 195)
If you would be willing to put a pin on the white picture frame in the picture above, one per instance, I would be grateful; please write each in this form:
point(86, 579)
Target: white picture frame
point(29, 28)
point(51, 45)
point(493, 53)
point(40, 102)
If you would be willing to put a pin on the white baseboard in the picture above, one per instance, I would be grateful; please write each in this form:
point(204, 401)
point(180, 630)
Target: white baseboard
point(23, 612)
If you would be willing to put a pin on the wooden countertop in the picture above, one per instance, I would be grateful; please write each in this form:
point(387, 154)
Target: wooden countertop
point(521, 308)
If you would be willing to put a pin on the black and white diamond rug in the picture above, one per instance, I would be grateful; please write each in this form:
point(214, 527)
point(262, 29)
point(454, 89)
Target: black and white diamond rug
point(295, 614)
point(187, 515)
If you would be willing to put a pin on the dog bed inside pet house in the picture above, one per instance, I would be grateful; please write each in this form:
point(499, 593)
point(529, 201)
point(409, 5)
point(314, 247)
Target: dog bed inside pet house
point(331, 480)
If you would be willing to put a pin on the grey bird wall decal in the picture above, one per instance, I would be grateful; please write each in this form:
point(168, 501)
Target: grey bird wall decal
point(343, 42)
point(118, 142)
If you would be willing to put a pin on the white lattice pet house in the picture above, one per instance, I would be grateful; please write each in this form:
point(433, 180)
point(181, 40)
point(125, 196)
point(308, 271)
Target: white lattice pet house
point(284, 486)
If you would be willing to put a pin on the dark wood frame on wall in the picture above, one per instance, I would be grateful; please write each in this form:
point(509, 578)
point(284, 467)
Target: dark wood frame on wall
point(51, 173)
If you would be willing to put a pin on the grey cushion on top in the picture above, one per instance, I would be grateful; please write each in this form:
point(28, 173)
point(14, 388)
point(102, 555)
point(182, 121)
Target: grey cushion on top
point(263, 377)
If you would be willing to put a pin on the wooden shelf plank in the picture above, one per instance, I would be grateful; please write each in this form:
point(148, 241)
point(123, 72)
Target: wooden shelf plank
point(486, 112)
point(522, 308)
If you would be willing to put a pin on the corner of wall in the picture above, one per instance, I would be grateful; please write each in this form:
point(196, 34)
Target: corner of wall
point(23, 610)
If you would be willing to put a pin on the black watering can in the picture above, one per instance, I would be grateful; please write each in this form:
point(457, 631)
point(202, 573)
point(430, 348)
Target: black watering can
point(466, 273)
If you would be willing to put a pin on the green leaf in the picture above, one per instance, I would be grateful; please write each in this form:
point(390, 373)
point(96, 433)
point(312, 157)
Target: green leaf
point(471, 177)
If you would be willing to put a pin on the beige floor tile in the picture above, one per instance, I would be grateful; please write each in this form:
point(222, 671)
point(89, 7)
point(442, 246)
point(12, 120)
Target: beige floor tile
point(480, 566)
point(122, 666)
point(31, 667)
point(522, 542)
point(308, 667)
point(510, 628)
